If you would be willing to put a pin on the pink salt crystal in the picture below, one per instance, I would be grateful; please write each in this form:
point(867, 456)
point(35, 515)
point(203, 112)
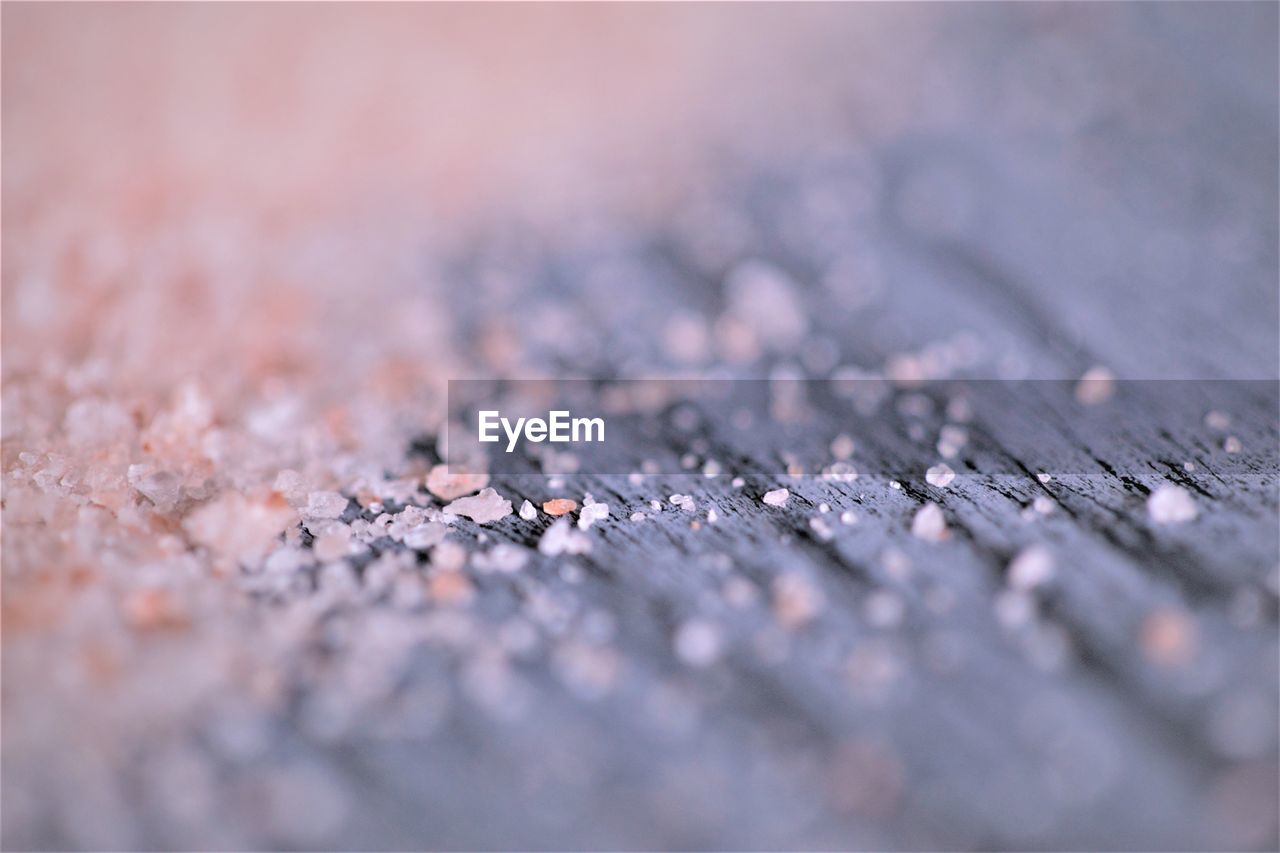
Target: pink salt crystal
point(333, 544)
point(1171, 504)
point(929, 523)
point(482, 508)
point(1033, 566)
point(236, 526)
point(1096, 386)
point(940, 475)
point(1168, 636)
point(325, 505)
point(162, 488)
point(447, 486)
point(796, 601)
point(559, 506)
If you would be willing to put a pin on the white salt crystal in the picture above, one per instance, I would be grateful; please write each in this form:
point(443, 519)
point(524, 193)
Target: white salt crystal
point(638, 516)
point(776, 497)
point(820, 528)
point(505, 558)
point(426, 535)
point(325, 505)
point(527, 512)
point(849, 517)
point(712, 516)
point(591, 513)
point(1171, 504)
point(1043, 477)
point(1043, 505)
point(929, 523)
point(1232, 444)
point(482, 508)
point(737, 482)
point(951, 439)
point(940, 475)
point(698, 643)
point(560, 538)
point(1031, 567)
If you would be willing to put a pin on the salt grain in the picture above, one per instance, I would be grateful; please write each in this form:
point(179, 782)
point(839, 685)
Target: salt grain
point(698, 643)
point(929, 523)
point(447, 486)
point(1171, 504)
point(482, 508)
point(560, 538)
point(1032, 567)
point(1096, 386)
point(1232, 444)
point(940, 475)
point(559, 506)
point(527, 512)
point(776, 497)
point(325, 505)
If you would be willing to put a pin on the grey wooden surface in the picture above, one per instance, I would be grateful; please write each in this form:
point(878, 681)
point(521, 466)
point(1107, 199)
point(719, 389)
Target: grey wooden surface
point(1096, 191)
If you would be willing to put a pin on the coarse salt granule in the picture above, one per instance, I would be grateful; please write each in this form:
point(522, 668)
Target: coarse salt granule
point(448, 485)
point(559, 506)
point(1096, 386)
point(929, 523)
point(940, 475)
point(527, 512)
point(1032, 567)
point(1171, 504)
point(482, 508)
point(698, 643)
point(776, 497)
point(325, 505)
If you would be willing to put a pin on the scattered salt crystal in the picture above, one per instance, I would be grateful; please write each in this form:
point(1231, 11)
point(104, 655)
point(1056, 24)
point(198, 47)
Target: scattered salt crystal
point(527, 512)
point(1232, 444)
point(940, 475)
point(796, 601)
point(1171, 504)
point(929, 523)
point(776, 497)
point(1217, 421)
point(712, 516)
point(1043, 505)
point(849, 517)
point(560, 538)
point(655, 506)
point(447, 486)
point(426, 535)
point(591, 513)
point(821, 528)
point(638, 516)
point(559, 506)
point(951, 439)
point(894, 484)
point(505, 558)
point(1033, 566)
point(325, 505)
point(711, 468)
point(1043, 477)
point(1096, 386)
point(842, 446)
point(482, 508)
point(738, 482)
point(1188, 467)
point(698, 643)
point(1168, 636)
